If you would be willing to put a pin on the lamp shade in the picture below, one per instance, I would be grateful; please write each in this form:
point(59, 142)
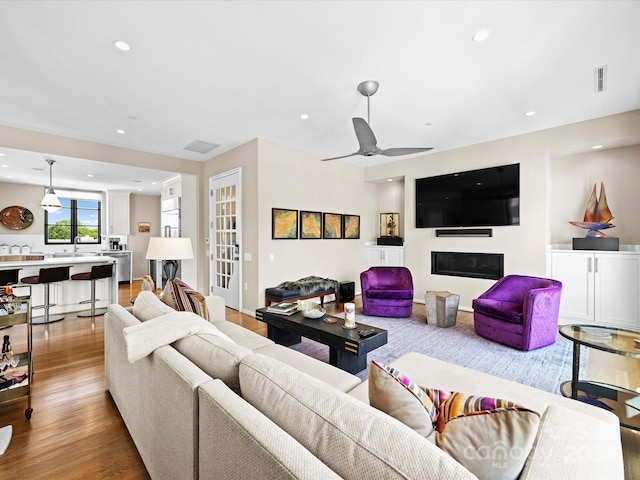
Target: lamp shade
point(50, 202)
point(169, 248)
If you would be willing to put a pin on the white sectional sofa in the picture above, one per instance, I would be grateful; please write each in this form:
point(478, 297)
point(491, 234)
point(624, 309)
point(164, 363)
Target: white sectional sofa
point(205, 407)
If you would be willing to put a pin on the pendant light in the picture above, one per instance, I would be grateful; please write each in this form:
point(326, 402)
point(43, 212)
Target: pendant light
point(50, 201)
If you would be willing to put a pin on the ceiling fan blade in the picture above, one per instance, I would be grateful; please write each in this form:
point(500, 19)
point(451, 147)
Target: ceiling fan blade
point(336, 158)
point(366, 138)
point(396, 152)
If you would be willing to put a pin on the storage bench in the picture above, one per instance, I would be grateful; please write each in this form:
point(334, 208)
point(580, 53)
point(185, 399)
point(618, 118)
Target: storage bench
point(287, 294)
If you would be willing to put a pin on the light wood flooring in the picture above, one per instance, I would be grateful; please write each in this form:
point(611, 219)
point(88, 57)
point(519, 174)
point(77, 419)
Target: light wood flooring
point(76, 431)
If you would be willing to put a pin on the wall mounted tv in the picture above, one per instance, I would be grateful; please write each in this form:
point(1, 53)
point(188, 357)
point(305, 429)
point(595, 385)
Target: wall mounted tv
point(487, 197)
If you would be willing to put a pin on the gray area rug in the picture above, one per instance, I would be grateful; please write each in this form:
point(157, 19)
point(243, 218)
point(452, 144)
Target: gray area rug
point(545, 368)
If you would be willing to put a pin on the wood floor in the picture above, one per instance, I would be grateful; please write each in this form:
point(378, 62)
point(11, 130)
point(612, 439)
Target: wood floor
point(76, 431)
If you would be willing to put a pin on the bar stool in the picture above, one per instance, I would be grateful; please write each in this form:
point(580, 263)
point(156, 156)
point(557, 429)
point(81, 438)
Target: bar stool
point(97, 272)
point(47, 276)
point(9, 276)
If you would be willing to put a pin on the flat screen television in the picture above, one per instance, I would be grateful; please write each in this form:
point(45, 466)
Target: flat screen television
point(476, 198)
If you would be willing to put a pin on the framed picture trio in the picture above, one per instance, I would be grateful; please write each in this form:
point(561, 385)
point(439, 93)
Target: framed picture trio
point(289, 224)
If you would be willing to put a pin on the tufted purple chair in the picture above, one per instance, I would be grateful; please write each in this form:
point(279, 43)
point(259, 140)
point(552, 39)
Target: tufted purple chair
point(387, 291)
point(519, 311)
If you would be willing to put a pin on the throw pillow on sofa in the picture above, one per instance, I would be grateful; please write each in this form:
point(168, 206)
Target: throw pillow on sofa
point(147, 306)
point(396, 395)
point(180, 296)
point(490, 437)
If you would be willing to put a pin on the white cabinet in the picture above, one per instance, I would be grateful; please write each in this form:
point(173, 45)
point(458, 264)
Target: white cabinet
point(172, 188)
point(378, 256)
point(598, 287)
point(118, 213)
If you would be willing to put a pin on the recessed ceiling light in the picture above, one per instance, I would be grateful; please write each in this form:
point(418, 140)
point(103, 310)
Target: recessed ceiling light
point(89, 175)
point(154, 183)
point(1, 154)
point(596, 147)
point(4, 166)
point(530, 113)
point(139, 189)
point(122, 45)
point(481, 36)
point(9, 176)
point(304, 116)
point(120, 131)
point(389, 179)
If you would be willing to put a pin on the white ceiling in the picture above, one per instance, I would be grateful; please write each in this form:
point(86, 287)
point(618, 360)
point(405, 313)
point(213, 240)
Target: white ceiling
point(227, 72)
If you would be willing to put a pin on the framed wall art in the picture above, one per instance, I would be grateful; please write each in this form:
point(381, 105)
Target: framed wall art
point(144, 227)
point(332, 225)
point(284, 223)
point(310, 224)
point(389, 224)
point(351, 226)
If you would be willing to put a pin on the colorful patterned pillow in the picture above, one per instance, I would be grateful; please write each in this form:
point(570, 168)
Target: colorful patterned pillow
point(399, 397)
point(181, 296)
point(491, 437)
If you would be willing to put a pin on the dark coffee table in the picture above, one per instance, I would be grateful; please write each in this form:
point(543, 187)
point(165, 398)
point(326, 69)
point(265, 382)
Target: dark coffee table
point(347, 350)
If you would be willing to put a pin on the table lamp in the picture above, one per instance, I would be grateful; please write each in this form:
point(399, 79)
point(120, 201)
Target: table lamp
point(171, 250)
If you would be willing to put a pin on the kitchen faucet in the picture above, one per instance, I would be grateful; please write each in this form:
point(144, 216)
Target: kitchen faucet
point(75, 243)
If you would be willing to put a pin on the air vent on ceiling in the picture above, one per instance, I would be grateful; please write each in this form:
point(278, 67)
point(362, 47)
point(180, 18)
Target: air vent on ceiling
point(199, 146)
point(600, 78)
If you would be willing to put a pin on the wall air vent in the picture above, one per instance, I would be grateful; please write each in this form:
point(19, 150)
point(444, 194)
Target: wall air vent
point(199, 146)
point(600, 78)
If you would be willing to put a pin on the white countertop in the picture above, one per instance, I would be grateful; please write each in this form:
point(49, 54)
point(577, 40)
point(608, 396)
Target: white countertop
point(57, 261)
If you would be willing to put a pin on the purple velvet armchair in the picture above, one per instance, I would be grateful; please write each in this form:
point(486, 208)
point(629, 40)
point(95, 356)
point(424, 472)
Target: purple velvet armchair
point(519, 311)
point(387, 291)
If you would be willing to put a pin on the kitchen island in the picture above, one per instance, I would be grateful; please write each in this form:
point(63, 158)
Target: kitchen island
point(66, 295)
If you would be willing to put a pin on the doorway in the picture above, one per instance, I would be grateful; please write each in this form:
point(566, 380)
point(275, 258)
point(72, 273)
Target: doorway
point(225, 232)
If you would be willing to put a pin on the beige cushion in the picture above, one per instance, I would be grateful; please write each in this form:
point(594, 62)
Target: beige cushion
point(353, 439)
point(489, 436)
point(323, 371)
point(237, 441)
point(215, 356)
point(398, 396)
point(573, 445)
point(242, 336)
point(492, 445)
point(180, 296)
point(148, 306)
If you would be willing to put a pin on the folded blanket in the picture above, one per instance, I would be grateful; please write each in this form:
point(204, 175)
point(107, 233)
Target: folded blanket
point(145, 337)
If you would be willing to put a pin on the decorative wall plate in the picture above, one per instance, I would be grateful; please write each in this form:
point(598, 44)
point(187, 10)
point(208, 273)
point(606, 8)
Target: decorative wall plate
point(16, 218)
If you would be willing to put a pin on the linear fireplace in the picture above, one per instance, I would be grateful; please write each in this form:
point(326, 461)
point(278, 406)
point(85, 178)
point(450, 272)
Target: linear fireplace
point(465, 264)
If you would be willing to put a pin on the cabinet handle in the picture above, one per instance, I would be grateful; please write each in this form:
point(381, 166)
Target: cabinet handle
point(596, 264)
point(589, 264)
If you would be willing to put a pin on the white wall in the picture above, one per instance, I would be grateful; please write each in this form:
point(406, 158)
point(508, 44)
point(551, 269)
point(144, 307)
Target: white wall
point(572, 180)
point(554, 189)
point(143, 208)
point(293, 179)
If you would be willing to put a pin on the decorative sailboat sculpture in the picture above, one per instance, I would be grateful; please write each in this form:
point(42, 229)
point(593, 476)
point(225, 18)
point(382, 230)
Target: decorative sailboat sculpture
point(597, 215)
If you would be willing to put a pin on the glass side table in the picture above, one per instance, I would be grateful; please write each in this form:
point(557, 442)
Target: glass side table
point(621, 401)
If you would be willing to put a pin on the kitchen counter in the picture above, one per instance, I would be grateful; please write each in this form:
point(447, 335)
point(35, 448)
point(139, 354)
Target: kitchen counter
point(67, 295)
point(53, 261)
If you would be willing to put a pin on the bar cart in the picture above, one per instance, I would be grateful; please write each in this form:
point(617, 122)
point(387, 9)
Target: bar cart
point(15, 309)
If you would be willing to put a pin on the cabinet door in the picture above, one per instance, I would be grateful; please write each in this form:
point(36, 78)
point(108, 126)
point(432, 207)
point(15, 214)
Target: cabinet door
point(617, 279)
point(375, 257)
point(118, 214)
point(394, 257)
point(575, 271)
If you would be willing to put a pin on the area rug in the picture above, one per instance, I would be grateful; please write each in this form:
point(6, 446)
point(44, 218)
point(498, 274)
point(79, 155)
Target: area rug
point(545, 368)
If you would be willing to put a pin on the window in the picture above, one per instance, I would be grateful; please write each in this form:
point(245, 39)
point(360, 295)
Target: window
point(78, 217)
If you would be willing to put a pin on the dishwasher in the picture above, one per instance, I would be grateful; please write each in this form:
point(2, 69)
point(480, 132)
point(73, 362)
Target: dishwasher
point(124, 264)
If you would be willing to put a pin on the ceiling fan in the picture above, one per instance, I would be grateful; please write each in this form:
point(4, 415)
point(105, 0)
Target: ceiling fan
point(366, 138)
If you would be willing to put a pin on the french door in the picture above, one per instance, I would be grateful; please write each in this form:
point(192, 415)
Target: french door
point(225, 234)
